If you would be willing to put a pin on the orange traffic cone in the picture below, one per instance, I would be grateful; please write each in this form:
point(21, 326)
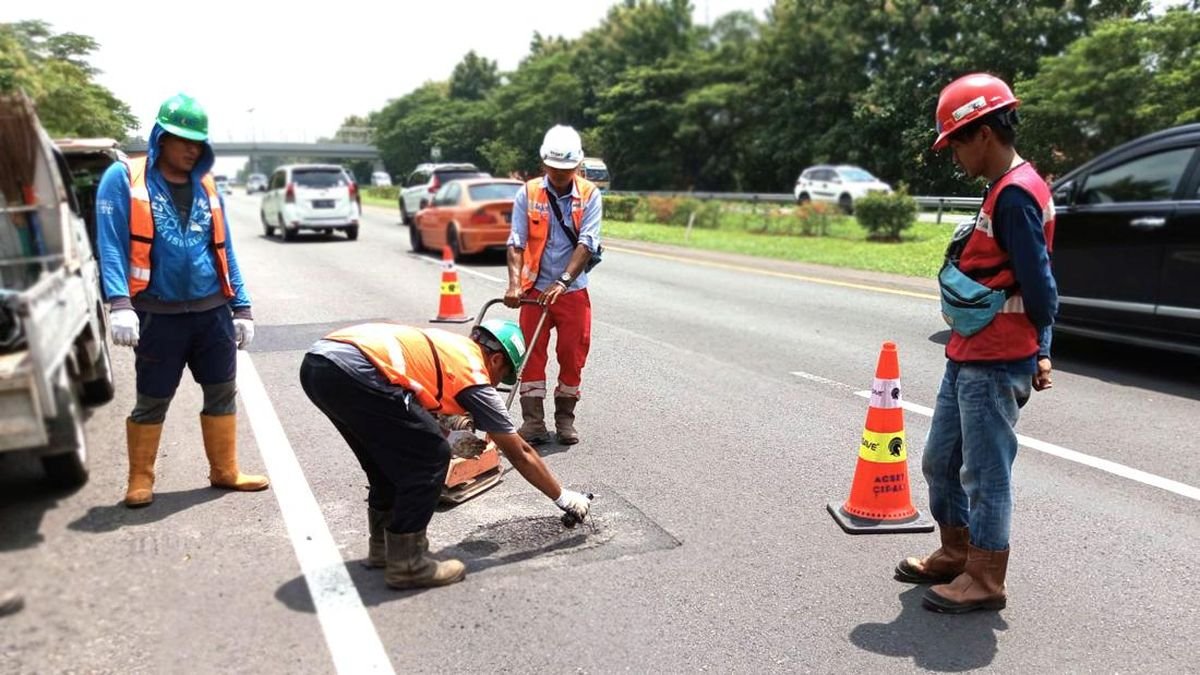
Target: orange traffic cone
point(450, 308)
point(880, 501)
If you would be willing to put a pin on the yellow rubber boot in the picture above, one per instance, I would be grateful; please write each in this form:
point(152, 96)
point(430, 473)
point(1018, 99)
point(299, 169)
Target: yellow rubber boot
point(220, 444)
point(142, 441)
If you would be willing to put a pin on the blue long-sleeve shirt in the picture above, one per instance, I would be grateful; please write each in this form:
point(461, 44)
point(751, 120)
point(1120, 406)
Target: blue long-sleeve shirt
point(184, 275)
point(1017, 226)
point(559, 248)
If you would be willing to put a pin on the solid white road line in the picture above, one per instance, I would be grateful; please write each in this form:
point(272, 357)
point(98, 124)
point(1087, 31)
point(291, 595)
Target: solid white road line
point(352, 639)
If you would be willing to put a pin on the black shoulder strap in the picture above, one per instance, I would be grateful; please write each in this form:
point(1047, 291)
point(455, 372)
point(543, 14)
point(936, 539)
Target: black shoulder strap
point(437, 365)
point(571, 234)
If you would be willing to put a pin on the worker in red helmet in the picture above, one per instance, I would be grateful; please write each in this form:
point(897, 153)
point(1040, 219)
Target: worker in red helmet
point(1000, 298)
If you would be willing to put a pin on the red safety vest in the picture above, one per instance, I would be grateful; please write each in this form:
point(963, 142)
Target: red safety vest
point(141, 229)
point(540, 216)
point(1011, 336)
point(433, 364)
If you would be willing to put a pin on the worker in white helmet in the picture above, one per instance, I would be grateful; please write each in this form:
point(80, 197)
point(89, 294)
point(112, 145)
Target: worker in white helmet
point(554, 243)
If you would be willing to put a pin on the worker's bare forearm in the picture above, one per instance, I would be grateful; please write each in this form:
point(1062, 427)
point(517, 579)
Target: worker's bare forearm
point(515, 259)
point(527, 463)
point(579, 260)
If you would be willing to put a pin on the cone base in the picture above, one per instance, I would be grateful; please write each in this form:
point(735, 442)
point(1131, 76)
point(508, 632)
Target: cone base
point(855, 525)
point(451, 319)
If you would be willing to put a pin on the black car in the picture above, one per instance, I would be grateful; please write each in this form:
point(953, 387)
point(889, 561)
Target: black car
point(1127, 243)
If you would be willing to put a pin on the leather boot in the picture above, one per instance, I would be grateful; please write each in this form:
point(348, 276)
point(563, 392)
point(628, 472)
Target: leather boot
point(409, 566)
point(941, 566)
point(534, 413)
point(142, 442)
point(220, 444)
point(981, 586)
point(376, 547)
point(564, 419)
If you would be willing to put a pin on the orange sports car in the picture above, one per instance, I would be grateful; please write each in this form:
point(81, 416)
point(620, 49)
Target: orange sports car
point(470, 215)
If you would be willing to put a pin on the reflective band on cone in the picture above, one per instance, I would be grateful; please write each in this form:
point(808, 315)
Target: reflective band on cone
point(880, 500)
point(450, 307)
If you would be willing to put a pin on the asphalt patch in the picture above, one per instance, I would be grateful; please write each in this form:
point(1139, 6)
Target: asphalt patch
point(297, 336)
point(508, 533)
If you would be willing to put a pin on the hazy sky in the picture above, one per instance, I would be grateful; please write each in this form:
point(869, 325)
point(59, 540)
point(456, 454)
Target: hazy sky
point(303, 67)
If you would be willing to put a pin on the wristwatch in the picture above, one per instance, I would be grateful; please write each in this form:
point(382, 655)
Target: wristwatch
point(565, 279)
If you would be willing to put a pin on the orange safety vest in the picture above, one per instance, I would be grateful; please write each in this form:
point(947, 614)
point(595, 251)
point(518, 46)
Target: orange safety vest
point(539, 215)
point(1011, 336)
point(433, 364)
point(141, 229)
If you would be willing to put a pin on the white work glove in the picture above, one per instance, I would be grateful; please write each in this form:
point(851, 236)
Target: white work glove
point(574, 503)
point(243, 332)
point(125, 327)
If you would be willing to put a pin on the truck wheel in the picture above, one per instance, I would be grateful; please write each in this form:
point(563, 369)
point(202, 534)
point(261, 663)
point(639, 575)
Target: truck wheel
point(67, 467)
point(100, 390)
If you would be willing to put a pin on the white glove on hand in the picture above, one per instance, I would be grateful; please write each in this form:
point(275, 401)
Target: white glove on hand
point(125, 327)
point(575, 503)
point(243, 332)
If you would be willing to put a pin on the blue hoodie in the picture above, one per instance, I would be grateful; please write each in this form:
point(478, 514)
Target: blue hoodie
point(182, 262)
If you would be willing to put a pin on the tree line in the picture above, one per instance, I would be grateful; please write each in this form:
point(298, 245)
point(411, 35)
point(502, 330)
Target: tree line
point(746, 103)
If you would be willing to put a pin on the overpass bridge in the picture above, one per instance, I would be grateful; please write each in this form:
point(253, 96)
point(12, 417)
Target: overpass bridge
point(254, 149)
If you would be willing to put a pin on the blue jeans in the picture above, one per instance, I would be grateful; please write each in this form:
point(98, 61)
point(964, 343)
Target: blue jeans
point(971, 447)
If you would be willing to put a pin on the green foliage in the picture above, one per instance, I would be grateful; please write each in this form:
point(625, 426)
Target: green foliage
point(1127, 79)
point(620, 208)
point(473, 78)
point(885, 216)
point(54, 71)
point(388, 193)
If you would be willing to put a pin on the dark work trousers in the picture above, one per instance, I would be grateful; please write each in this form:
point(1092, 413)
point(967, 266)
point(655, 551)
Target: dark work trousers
point(400, 447)
point(202, 341)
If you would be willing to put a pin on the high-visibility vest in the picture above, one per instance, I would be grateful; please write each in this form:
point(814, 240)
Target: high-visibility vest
point(141, 229)
point(540, 217)
point(1011, 336)
point(433, 364)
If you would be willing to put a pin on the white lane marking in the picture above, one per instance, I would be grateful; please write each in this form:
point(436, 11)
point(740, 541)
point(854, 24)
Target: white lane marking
point(458, 268)
point(1105, 465)
point(351, 636)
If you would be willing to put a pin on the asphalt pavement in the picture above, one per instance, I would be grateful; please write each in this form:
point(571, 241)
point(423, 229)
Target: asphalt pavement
point(721, 411)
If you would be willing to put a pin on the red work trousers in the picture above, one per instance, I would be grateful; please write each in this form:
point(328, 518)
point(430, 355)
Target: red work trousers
point(571, 318)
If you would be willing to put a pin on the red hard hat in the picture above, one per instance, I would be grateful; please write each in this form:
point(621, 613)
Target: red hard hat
point(967, 99)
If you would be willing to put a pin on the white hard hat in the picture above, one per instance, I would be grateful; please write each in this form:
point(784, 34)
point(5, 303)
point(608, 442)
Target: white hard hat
point(562, 148)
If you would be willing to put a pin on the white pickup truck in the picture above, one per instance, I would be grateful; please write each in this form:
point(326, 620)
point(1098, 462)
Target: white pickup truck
point(54, 355)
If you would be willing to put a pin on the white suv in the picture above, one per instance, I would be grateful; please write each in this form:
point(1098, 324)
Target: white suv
point(840, 185)
point(317, 197)
point(425, 180)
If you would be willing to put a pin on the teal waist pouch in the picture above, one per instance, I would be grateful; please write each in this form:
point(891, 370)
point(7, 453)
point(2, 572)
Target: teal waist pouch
point(967, 305)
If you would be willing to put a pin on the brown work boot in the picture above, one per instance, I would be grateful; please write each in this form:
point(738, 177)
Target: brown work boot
point(534, 413)
point(564, 419)
point(942, 565)
point(409, 565)
point(376, 547)
point(142, 442)
point(220, 444)
point(981, 586)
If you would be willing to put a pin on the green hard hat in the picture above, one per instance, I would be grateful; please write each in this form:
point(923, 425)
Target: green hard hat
point(509, 335)
point(182, 116)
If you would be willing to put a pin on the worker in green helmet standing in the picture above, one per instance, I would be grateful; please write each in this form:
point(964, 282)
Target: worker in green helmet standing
point(381, 384)
point(177, 297)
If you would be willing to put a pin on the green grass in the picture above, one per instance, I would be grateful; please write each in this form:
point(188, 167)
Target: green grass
point(919, 253)
point(377, 201)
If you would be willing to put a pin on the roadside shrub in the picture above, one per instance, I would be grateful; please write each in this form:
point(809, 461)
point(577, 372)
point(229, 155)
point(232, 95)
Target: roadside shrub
point(806, 220)
point(623, 209)
point(885, 216)
point(708, 213)
point(659, 210)
point(390, 192)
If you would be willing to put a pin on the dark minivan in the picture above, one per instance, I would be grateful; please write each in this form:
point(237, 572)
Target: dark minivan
point(1127, 243)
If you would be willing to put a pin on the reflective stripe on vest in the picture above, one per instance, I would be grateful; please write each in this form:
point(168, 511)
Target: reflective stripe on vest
point(141, 229)
point(540, 219)
point(1011, 336)
point(425, 362)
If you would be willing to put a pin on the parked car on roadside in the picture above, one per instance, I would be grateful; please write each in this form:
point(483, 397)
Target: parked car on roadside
point(381, 179)
point(425, 181)
point(256, 182)
point(468, 215)
point(316, 197)
point(840, 185)
point(222, 183)
point(1127, 243)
